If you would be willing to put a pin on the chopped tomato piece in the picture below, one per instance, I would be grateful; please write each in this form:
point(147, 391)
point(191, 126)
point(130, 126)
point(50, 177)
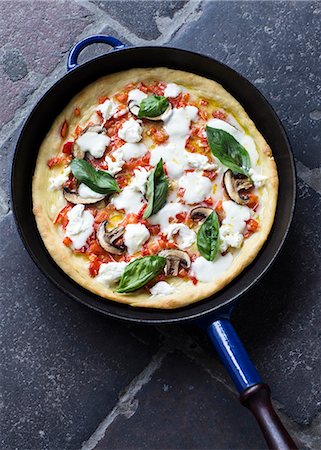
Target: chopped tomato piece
point(64, 129)
point(180, 192)
point(142, 87)
point(102, 99)
point(141, 212)
point(62, 218)
point(181, 217)
point(219, 115)
point(209, 201)
point(56, 161)
point(253, 201)
point(67, 241)
point(160, 136)
point(194, 280)
point(77, 112)
point(78, 130)
point(203, 114)
point(203, 102)
point(211, 174)
point(67, 148)
point(101, 216)
point(218, 206)
point(252, 225)
point(122, 97)
point(94, 267)
point(154, 229)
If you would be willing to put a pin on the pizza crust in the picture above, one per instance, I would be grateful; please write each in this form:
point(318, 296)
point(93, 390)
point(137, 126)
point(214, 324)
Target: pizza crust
point(47, 203)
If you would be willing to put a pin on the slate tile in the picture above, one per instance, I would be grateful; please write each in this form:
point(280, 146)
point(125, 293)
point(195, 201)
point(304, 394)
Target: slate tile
point(274, 45)
point(62, 365)
point(280, 318)
point(144, 18)
point(182, 407)
point(34, 38)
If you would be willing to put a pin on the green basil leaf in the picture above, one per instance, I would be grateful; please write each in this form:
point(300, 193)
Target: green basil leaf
point(157, 189)
point(153, 106)
point(97, 180)
point(208, 237)
point(139, 272)
point(230, 152)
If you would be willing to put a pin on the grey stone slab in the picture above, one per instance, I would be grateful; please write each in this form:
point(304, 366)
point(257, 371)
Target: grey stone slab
point(34, 38)
point(62, 365)
point(280, 319)
point(275, 45)
point(144, 18)
point(184, 408)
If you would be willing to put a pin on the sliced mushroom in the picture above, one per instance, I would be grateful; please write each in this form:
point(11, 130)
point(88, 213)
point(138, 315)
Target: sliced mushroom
point(111, 241)
point(174, 259)
point(76, 151)
point(200, 213)
point(134, 106)
point(74, 197)
point(236, 187)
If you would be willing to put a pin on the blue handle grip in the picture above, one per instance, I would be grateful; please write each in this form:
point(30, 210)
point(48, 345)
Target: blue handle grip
point(95, 39)
point(233, 354)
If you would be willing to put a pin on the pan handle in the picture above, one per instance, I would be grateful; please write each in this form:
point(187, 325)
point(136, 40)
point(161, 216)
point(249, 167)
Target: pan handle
point(254, 395)
point(94, 39)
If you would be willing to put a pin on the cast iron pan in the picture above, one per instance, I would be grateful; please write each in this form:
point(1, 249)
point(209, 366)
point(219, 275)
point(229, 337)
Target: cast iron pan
point(212, 314)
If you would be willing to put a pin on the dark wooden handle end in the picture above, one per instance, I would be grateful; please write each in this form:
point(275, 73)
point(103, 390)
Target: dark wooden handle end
point(257, 399)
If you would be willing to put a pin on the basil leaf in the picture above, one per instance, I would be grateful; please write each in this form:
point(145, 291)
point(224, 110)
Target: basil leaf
point(208, 237)
point(97, 180)
point(153, 106)
point(230, 152)
point(139, 272)
point(157, 189)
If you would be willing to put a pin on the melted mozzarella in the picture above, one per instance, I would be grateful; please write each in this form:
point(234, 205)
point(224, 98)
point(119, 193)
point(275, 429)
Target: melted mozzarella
point(258, 179)
point(57, 182)
point(107, 109)
point(233, 225)
point(139, 181)
point(135, 236)
point(185, 237)
point(131, 131)
point(207, 271)
point(197, 188)
point(172, 90)
point(115, 166)
point(199, 162)
point(111, 272)
point(163, 215)
point(177, 126)
point(244, 139)
point(80, 226)
point(133, 150)
point(94, 143)
point(85, 192)
point(131, 198)
point(137, 95)
point(162, 288)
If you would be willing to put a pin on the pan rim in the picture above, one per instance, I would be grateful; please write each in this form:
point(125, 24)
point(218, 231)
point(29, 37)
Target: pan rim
point(175, 314)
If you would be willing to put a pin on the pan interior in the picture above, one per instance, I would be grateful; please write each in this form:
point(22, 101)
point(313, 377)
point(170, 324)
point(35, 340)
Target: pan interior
point(56, 99)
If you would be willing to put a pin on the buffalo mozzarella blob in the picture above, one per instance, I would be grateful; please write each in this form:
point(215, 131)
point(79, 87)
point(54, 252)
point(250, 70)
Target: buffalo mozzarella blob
point(110, 273)
point(133, 150)
point(207, 271)
point(115, 165)
point(131, 198)
point(233, 224)
point(131, 131)
point(197, 188)
point(58, 181)
point(94, 143)
point(162, 288)
point(163, 216)
point(107, 109)
point(172, 90)
point(85, 192)
point(136, 234)
point(184, 236)
point(80, 226)
point(137, 95)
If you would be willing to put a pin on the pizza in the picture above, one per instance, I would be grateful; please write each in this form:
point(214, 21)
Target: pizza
point(154, 188)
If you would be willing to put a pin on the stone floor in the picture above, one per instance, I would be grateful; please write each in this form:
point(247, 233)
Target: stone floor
point(71, 379)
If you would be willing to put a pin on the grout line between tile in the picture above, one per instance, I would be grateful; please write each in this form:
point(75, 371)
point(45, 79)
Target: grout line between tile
point(126, 404)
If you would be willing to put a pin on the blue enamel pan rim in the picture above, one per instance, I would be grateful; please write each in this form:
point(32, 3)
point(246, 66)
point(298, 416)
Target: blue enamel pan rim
point(194, 311)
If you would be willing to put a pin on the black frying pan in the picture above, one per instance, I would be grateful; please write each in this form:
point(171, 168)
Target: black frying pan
point(212, 314)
